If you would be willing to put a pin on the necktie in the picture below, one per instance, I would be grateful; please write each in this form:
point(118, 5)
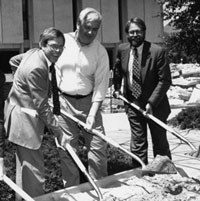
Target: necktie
point(56, 103)
point(136, 82)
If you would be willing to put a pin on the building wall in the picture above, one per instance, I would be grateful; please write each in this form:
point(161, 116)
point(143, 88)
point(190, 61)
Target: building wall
point(63, 14)
point(11, 23)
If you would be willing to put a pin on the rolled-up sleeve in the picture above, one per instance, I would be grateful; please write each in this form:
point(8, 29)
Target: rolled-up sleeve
point(102, 76)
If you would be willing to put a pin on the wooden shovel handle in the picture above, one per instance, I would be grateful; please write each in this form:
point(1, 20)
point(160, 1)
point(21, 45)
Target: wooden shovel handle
point(17, 189)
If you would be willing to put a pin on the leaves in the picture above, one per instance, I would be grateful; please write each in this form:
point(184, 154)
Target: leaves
point(187, 118)
point(184, 16)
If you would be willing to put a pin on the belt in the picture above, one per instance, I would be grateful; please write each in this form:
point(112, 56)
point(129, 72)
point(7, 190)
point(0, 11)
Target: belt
point(77, 96)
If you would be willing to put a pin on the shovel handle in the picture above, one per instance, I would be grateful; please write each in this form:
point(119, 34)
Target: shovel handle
point(11, 184)
point(160, 123)
point(172, 131)
point(17, 189)
point(106, 139)
point(83, 169)
point(113, 143)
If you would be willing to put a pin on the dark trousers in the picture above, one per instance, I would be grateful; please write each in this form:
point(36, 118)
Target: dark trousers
point(139, 142)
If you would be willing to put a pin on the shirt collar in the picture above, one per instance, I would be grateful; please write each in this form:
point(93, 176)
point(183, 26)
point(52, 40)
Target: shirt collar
point(140, 48)
point(47, 60)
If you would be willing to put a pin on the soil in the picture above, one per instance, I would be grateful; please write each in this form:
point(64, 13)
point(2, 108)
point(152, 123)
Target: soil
point(156, 188)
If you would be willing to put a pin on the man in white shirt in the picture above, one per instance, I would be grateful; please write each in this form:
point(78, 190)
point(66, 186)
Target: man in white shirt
point(83, 77)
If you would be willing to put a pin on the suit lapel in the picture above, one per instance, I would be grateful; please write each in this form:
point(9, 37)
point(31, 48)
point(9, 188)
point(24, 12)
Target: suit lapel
point(41, 55)
point(125, 58)
point(45, 65)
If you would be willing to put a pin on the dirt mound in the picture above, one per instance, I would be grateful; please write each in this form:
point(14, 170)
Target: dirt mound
point(156, 188)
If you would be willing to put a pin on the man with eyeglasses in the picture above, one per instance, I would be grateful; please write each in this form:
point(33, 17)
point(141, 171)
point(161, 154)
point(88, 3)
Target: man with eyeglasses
point(27, 111)
point(83, 77)
point(145, 71)
point(55, 47)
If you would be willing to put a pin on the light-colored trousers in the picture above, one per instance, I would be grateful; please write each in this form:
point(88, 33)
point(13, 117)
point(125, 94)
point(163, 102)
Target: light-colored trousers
point(30, 168)
point(96, 147)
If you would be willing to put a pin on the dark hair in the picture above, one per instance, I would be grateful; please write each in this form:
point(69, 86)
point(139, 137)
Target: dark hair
point(49, 34)
point(136, 20)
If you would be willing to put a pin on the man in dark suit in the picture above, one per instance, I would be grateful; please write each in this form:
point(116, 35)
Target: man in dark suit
point(151, 85)
point(27, 111)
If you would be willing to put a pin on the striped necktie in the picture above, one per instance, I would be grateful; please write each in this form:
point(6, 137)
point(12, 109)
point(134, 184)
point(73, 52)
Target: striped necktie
point(136, 81)
point(56, 103)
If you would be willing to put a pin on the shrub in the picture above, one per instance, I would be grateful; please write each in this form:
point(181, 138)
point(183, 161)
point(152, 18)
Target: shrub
point(187, 118)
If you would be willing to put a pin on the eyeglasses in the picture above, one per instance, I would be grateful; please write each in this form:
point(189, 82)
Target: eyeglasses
point(55, 47)
point(137, 32)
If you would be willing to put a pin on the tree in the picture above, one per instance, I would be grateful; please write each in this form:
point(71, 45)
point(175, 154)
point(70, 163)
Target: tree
point(184, 16)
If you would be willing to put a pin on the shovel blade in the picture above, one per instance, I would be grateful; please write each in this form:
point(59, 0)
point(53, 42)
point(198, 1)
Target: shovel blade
point(160, 165)
point(195, 153)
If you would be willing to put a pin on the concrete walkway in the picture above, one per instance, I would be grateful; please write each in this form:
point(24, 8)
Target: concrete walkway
point(118, 129)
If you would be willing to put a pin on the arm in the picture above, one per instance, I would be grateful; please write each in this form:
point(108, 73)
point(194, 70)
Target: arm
point(15, 61)
point(39, 89)
point(101, 82)
point(117, 76)
point(163, 77)
point(92, 114)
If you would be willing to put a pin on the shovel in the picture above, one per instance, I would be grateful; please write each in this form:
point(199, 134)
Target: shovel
point(11, 184)
point(81, 167)
point(17, 189)
point(160, 123)
point(160, 165)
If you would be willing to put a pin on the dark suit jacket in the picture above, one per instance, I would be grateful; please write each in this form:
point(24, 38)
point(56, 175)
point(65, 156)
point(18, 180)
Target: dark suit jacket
point(26, 109)
point(155, 75)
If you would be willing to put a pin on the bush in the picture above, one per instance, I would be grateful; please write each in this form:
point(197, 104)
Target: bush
point(187, 118)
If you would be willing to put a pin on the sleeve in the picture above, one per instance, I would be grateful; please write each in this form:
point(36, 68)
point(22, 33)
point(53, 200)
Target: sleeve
point(117, 74)
point(164, 78)
point(39, 89)
point(102, 76)
point(15, 61)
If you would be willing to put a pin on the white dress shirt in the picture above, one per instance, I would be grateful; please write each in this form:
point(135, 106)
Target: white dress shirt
point(83, 69)
point(130, 63)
